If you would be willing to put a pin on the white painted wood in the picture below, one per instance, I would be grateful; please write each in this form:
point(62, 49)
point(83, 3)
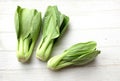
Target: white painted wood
point(110, 73)
point(97, 20)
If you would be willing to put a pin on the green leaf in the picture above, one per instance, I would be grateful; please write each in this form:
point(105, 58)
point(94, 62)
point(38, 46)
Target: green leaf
point(17, 20)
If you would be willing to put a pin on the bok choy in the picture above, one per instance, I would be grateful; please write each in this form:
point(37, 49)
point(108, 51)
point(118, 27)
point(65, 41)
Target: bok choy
point(54, 25)
point(27, 25)
point(78, 54)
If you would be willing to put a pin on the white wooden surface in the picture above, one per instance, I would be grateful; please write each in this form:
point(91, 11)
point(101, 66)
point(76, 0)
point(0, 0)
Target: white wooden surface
point(97, 20)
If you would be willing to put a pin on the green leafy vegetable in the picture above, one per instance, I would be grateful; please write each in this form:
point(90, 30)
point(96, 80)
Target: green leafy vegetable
point(27, 24)
point(78, 54)
point(54, 25)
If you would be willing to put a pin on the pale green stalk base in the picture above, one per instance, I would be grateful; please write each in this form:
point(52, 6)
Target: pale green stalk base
point(24, 52)
point(44, 50)
point(54, 61)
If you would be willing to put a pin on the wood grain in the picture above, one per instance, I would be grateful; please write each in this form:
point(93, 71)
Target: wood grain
point(97, 20)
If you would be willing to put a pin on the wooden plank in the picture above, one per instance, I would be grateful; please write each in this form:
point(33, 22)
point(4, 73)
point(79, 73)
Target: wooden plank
point(7, 23)
point(8, 41)
point(65, 6)
point(110, 73)
point(106, 37)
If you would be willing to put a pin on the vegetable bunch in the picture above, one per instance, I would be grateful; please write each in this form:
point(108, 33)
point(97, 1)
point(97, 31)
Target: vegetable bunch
point(27, 25)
